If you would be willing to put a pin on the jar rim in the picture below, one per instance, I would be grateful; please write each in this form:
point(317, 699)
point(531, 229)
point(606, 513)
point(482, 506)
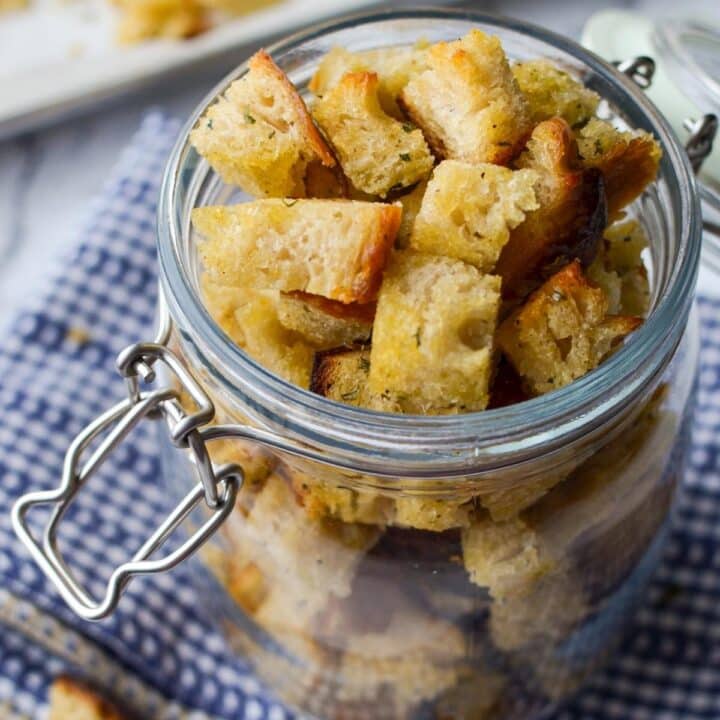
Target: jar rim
point(446, 443)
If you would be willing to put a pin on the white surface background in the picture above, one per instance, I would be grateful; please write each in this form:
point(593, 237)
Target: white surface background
point(47, 178)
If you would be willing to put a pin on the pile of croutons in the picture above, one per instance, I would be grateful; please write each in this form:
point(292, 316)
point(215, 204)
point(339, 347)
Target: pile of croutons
point(436, 231)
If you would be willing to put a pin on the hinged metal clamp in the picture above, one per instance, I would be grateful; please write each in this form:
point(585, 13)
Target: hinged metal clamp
point(640, 70)
point(218, 488)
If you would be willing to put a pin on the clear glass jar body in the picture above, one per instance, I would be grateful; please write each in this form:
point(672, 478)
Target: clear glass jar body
point(476, 566)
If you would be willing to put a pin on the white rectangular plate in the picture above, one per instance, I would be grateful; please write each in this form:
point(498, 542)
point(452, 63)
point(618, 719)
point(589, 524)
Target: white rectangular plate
point(59, 57)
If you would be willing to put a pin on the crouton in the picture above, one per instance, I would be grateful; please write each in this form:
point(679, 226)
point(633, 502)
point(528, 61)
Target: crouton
point(508, 503)
point(561, 332)
point(411, 203)
point(417, 657)
point(629, 161)
point(467, 102)
point(342, 374)
point(144, 19)
point(571, 217)
point(394, 67)
point(552, 92)
point(259, 134)
point(377, 153)
point(268, 341)
point(505, 557)
point(247, 586)
point(432, 514)
point(325, 323)
point(303, 562)
point(619, 269)
point(72, 699)
point(334, 248)
point(554, 604)
point(323, 499)
point(433, 335)
point(221, 301)
point(467, 211)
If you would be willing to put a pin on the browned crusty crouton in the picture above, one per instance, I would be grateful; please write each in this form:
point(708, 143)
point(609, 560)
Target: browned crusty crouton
point(562, 331)
point(629, 161)
point(619, 269)
point(377, 152)
point(569, 221)
point(259, 134)
point(468, 210)
point(394, 66)
point(267, 340)
point(467, 101)
point(334, 248)
point(325, 323)
point(432, 346)
point(72, 699)
point(341, 374)
point(552, 92)
point(432, 514)
point(505, 557)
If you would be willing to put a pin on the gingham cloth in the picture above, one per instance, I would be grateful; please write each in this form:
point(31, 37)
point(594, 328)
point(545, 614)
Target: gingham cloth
point(158, 651)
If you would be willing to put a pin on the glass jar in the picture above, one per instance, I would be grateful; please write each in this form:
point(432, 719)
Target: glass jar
point(472, 566)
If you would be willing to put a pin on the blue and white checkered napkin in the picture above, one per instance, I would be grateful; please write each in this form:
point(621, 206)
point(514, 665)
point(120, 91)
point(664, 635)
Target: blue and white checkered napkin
point(158, 651)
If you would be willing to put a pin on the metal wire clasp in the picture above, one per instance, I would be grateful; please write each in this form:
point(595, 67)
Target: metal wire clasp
point(216, 487)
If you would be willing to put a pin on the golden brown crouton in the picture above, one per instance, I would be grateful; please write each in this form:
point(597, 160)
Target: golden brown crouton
point(508, 503)
point(377, 153)
point(467, 101)
point(325, 323)
point(411, 203)
point(504, 557)
point(552, 92)
point(569, 221)
point(334, 248)
point(394, 66)
point(72, 699)
point(629, 161)
point(247, 586)
point(435, 515)
point(280, 350)
point(144, 19)
point(619, 269)
point(562, 331)
point(259, 134)
point(221, 301)
point(323, 499)
point(468, 210)
point(433, 335)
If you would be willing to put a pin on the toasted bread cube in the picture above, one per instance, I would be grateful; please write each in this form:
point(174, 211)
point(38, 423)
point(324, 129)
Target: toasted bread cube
point(247, 586)
point(571, 217)
point(629, 161)
point(507, 557)
point(467, 101)
point(144, 19)
point(328, 500)
point(468, 210)
point(433, 335)
point(308, 561)
point(71, 699)
point(325, 323)
point(418, 656)
point(268, 341)
point(377, 152)
point(508, 503)
point(334, 248)
point(562, 331)
point(432, 514)
point(394, 67)
point(411, 203)
point(221, 301)
point(620, 271)
point(259, 134)
point(342, 374)
point(552, 92)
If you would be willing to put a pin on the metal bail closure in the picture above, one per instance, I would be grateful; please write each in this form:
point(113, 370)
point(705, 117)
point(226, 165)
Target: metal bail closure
point(113, 426)
point(640, 70)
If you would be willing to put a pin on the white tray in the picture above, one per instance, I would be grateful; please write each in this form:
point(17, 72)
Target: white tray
point(60, 56)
